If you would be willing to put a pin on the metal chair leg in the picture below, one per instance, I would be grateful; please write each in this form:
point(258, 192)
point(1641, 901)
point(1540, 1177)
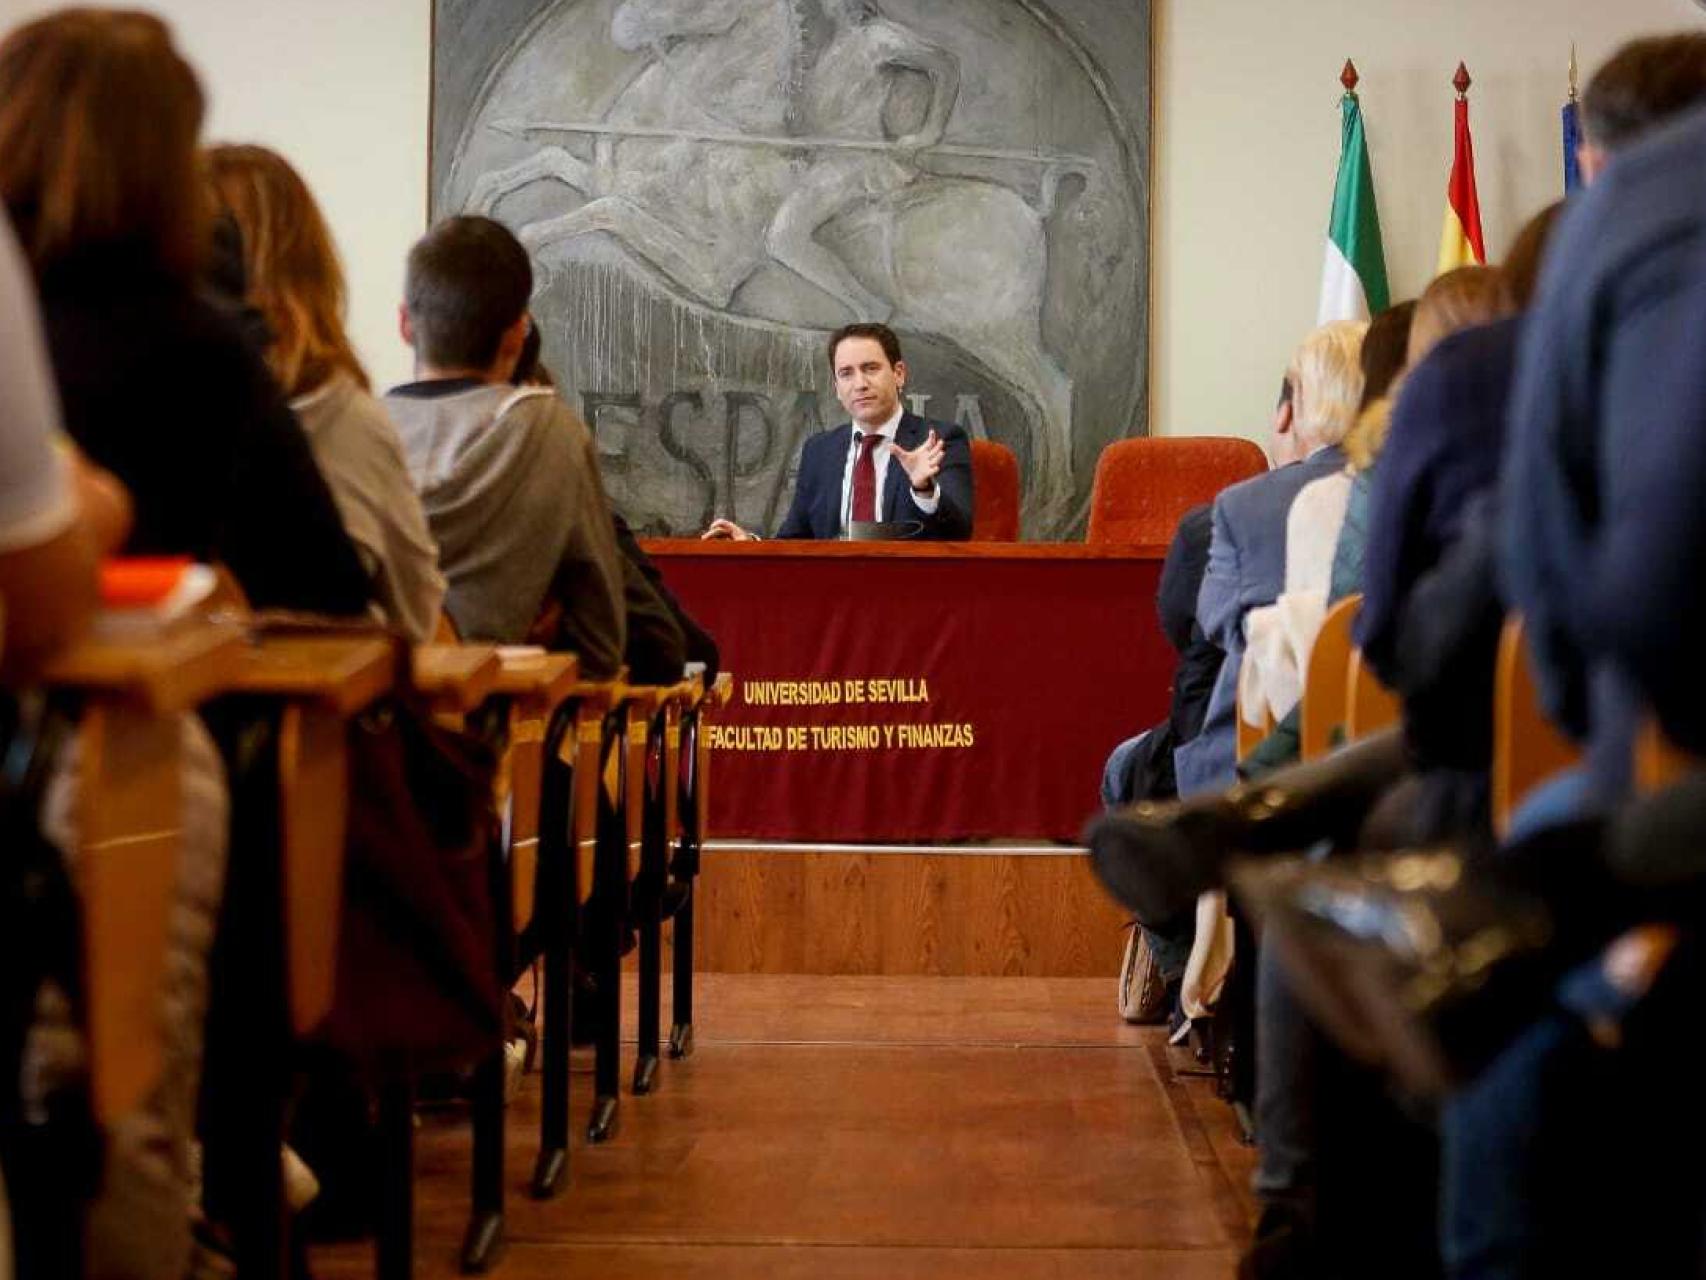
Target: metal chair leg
point(681, 1015)
point(556, 911)
point(484, 1236)
point(394, 1243)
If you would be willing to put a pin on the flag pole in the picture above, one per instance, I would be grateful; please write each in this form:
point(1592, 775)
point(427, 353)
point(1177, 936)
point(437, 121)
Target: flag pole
point(1353, 274)
point(1572, 129)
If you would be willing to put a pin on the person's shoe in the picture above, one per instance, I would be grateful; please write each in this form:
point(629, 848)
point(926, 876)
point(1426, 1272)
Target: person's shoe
point(1157, 859)
point(1405, 959)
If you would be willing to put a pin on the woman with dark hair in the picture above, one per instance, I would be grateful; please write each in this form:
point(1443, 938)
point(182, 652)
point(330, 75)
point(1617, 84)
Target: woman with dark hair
point(99, 175)
point(99, 172)
point(295, 284)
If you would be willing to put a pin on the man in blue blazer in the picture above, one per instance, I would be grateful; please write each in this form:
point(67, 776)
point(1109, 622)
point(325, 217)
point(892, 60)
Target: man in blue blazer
point(1246, 557)
point(886, 464)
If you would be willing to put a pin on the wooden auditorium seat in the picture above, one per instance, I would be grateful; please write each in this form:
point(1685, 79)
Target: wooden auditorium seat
point(654, 799)
point(285, 914)
point(995, 492)
point(1369, 705)
point(1250, 735)
point(1326, 688)
point(1144, 485)
point(1527, 748)
point(1659, 762)
point(130, 692)
point(694, 786)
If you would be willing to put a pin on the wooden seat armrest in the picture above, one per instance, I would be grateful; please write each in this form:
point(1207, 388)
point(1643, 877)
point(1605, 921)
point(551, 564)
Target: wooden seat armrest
point(645, 699)
point(719, 694)
point(538, 681)
point(455, 678)
point(599, 695)
point(171, 671)
point(322, 680)
point(685, 694)
point(336, 673)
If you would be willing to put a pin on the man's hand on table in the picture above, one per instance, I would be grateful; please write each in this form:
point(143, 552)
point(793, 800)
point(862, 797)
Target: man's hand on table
point(729, 530)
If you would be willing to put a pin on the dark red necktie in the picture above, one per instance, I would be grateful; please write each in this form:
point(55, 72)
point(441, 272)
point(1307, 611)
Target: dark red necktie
point(865, 478)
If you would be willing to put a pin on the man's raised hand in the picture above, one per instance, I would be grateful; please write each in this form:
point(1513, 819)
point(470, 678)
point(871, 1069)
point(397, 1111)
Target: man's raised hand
point(924, 463)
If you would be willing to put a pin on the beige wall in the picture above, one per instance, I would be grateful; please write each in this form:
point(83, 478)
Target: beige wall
point(1246, 141)
point(341, 88)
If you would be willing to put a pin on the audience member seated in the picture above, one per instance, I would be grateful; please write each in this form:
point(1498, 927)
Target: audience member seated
point(58, 514)
point(100, 171)
point(1545, 539)
point(296, 286)
point(1609, 413)
point(1615, 294)
point(1141, 768)
point(1246, 561)
point(1322, 555)
point(1432, 632)
point(509, 476)
point(662, 638)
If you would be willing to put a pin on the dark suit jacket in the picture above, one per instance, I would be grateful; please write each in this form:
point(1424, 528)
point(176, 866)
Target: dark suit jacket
point(700, 645)
point(1603, 509)
point(816, 511)
point(1444, 448)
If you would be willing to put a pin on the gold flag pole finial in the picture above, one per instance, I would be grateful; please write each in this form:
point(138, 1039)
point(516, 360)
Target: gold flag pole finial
point(1461, 81)
point(1575, 71)
point(1349, 77)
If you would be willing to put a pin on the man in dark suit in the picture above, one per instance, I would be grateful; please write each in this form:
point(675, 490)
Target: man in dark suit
point(886, 464)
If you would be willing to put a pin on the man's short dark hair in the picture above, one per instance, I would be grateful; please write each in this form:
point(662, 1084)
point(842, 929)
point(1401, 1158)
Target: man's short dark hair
point(881, 334)
point(1644, 84)
point(468, 281)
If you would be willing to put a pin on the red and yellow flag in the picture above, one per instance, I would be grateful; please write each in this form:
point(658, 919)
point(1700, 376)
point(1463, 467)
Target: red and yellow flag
point(1460, 240)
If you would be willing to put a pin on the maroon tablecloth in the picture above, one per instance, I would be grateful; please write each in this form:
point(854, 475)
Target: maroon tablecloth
point(888, 692)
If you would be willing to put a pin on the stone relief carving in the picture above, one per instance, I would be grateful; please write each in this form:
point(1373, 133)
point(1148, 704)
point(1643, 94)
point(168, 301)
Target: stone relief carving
point(711, 186)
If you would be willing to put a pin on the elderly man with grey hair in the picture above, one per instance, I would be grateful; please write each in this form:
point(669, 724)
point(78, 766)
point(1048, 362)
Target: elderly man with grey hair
point(1246, 557)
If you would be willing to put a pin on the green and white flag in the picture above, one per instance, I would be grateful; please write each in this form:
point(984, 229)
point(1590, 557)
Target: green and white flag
point(1353, 282)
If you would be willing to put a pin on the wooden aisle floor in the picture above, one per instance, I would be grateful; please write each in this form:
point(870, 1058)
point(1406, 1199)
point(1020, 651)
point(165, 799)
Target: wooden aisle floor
point(848, 1128)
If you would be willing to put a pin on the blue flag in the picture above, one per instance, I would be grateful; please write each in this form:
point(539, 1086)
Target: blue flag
point(1572, 140)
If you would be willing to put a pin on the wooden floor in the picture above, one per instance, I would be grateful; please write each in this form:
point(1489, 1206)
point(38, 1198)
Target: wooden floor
point(893, 1127)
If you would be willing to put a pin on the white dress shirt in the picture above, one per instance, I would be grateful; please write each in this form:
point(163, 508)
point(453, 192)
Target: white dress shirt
point(926, 502)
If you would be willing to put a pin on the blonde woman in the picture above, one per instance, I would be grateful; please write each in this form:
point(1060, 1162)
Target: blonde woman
point(1326, 529)
point(296, 284)
point(1327, 376)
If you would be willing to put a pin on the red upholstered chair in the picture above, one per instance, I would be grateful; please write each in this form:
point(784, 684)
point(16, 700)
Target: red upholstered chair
point(1144, 485)
point(995, 482)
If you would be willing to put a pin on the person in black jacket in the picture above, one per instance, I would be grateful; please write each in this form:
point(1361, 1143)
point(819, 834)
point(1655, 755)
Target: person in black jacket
point(98, 172)
point(662, 635)
point(1141, 768)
